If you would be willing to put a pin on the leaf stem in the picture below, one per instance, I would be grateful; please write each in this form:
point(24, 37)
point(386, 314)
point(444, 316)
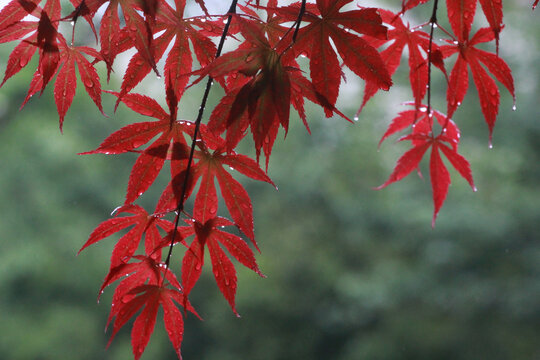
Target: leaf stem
point(180, 206)
point(432, 22)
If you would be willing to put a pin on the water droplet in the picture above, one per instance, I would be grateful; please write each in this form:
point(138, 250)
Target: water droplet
point(203, 20)
point(158, 77)
point(422, 109)
point(455, 42)
point(490, 145)
point(475, 189)
point(355, 118)
point(231, 168)
point(514, 107)
point(434, 25)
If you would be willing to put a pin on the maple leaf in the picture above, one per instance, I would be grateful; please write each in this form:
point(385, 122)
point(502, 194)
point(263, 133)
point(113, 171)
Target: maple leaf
point(151, 296)
point(41, 34)
point(469, 56)
point(114, 40)
point(56, 57)
point(327, 23)
point(209, 234)
point(399, 37)
point(16, 10)
point(66, 83)
point(264, 84)
point(493, 10)
point(422, 139)
point(212, 165)
point(421, 124)
point(143, 224)
point(171, 143)
point(267, 87)
point(179, 31)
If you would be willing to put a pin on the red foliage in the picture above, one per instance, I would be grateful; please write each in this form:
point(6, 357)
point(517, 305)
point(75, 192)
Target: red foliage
point(262, 78)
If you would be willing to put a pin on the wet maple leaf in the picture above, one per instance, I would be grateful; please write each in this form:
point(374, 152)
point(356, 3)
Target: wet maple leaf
point(210, 235)
point(212, 164)
point(149, 298)
point(142, 223)
point(180, 32)
point(267, 86)
point(421, 124)
point(265, 83)
point(471, 57)
point(422, 139)
point(401, 35)
point(17, 10)
point(328, 23)
point(170, 144)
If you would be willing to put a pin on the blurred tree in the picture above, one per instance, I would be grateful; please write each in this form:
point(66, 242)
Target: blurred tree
point(351, 274)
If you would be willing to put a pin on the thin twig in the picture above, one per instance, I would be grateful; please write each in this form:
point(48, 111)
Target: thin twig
point(433, 22)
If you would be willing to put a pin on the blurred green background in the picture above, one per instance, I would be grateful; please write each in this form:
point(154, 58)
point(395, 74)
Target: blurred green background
point(352, 273)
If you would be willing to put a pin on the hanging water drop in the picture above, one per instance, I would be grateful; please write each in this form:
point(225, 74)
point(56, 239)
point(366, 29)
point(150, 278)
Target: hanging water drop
point(355, 118)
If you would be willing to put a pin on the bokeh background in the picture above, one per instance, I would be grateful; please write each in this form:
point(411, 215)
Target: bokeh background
point(352, 273)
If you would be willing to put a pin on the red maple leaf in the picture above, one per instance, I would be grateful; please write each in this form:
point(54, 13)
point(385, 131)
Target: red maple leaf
point(417, 43)
point(42, 35)
point(17, 10)
point(170, 145)
point(421, 124)
point(143, 224)
point(262, 84)
point(471, 57)
point(149, 297)
point(179, 31)
point(209, 234)
point(326, 22)
point(213, 164)
point(422, 139)
point(267, 86)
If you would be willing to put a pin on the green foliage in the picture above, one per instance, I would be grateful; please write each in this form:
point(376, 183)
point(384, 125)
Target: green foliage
point(351, 275)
